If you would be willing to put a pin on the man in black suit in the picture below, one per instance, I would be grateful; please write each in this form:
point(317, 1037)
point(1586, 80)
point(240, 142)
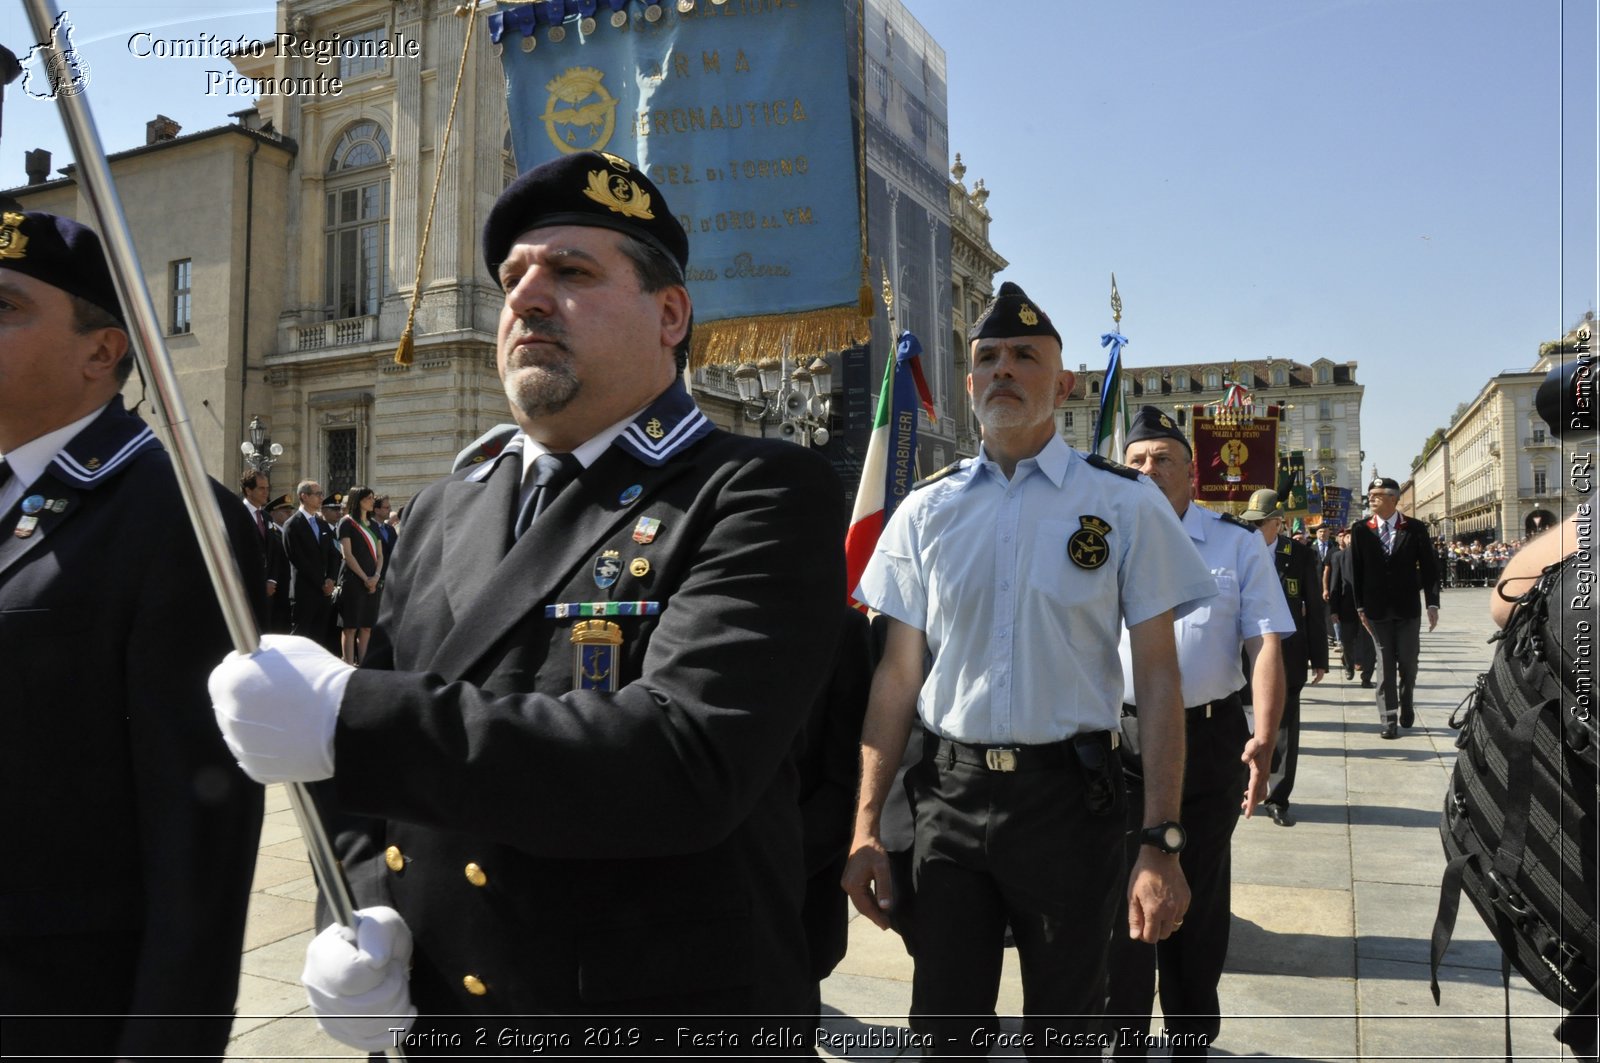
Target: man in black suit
point(130, 832)
point(1355, 645)
point(1324, 547)
point(1391, 560)
point(308, 539)
point(575, 728)
point(255, 490)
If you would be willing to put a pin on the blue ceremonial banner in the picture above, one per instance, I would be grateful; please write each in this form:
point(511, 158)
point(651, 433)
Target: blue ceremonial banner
point(741, 113)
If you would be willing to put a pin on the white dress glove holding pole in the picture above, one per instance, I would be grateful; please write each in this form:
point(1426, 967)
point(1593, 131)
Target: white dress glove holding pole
point(359, 982)
point(277, 708)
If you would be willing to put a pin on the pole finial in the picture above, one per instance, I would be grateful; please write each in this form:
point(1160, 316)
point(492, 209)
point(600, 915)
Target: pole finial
point(1116, 302)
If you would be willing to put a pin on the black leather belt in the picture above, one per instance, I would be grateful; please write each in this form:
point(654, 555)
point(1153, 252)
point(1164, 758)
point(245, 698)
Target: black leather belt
point(1016, 758)
point(1199, 713)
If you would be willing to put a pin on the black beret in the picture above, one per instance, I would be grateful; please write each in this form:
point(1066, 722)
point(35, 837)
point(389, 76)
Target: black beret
point(281, 502)
point(1013, 314)
point(1383, 483)
point(1566, 398)
point(1151, 423)
point(61, 253)
point(590, 188)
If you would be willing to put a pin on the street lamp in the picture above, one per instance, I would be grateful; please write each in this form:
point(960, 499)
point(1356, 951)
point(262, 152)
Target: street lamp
point(259, 451)
point(801, 399)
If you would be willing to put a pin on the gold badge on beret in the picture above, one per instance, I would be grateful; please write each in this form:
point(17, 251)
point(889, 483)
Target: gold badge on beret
point(1027, 316)
point(620, 194)
point(1166, 422)
point(1088, 548)
point(13, 244)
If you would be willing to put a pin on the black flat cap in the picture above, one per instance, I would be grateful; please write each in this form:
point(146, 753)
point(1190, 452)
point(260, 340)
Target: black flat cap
point(61, 253)
point(1151, 423)
point(590, 188)
point(1013, 314)
point(1566, 398)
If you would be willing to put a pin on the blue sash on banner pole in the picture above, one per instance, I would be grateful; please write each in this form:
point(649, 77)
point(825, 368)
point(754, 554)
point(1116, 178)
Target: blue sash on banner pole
point(742, 115)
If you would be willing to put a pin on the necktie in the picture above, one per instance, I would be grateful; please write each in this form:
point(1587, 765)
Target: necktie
point(1386, 536)
point(551, 472)
point(261, 524)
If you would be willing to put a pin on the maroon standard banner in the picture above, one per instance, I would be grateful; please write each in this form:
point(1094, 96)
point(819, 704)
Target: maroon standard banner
point(1234, 455)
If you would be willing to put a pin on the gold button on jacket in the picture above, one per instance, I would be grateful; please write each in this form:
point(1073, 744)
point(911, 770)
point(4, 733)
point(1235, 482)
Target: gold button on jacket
point(394, 858)
point(474, 985)
point(476, 876)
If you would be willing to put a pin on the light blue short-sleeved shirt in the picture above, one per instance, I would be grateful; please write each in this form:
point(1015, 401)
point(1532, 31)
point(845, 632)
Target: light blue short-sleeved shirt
point(1021, 588)
point(1249, 602)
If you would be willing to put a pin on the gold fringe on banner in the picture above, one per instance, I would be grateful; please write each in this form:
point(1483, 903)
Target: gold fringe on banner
point(746, 339)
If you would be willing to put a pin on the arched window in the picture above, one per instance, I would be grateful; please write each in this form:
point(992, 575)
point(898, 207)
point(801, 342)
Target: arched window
point(1152, 383)
point(1280, 376)
point(1094, 386)
point(1213, 378)
point(1180, 381)
point(357, 221)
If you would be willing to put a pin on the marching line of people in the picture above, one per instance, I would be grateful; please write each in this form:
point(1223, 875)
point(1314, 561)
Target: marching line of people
point(592, 763)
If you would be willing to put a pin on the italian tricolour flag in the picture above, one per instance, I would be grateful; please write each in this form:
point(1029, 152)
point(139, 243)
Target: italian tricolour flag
point(890, 468)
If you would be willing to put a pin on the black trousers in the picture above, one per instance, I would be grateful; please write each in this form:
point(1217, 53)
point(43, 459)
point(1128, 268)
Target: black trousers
point(1038, 849)
point(1288, 742)
point(1357, 647)
point(1190, 961)
point(1398, 647)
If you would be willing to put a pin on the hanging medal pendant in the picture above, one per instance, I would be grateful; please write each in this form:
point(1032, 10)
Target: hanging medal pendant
point(596, 653)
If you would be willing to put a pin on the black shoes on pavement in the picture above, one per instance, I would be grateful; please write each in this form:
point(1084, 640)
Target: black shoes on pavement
point(1407, 717)
point(1279, 813)
point(1390, 730)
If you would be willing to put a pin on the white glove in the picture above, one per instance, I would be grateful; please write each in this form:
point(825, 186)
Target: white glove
point(277, 708)
point(359, 982)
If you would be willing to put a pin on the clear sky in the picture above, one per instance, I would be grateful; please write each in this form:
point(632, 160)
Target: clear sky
point(1378, 181)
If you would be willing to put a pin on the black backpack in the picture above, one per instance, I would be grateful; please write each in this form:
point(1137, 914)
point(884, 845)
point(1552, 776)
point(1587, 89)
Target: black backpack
point(1520, 818)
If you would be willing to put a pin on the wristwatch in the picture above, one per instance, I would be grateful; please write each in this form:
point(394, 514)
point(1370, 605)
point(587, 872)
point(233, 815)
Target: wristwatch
point(1169, 837)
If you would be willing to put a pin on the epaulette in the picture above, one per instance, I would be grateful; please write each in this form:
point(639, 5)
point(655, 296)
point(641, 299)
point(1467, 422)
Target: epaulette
point(954, 466)
point(1112, 466)
point(1229, 518)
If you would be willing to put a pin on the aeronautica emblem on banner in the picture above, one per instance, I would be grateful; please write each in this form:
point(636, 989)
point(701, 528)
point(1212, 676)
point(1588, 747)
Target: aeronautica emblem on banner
point(1087, 548)
point(580, 115)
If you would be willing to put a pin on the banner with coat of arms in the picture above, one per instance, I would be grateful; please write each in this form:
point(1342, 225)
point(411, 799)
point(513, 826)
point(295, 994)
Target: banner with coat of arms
point(1235, 453)
point(741, 114)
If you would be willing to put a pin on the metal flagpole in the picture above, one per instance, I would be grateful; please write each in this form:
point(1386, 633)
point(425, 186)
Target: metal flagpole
point(94, 178)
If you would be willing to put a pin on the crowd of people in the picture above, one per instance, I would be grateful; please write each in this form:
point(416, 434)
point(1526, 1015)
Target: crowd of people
point(323, 559)
point(616, 746)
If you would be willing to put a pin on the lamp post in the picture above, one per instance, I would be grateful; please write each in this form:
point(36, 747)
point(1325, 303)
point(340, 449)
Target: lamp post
point(259, 451)
point(800, 400)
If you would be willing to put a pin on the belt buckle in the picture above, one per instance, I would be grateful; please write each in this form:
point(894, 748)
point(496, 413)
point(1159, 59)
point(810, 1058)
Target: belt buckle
point(1000, 759)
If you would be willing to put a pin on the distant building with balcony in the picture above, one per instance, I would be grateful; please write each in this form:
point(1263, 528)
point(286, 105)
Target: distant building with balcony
point(1502, 462)
point(216, 280)
point(1321, 400)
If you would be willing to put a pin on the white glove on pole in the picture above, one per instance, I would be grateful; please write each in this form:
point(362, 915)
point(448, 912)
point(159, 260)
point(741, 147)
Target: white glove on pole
point(359, 982)
point(277, 708)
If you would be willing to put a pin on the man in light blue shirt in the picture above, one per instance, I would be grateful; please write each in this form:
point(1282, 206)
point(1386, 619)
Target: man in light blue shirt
point(1014, 573)
point(1249, 610)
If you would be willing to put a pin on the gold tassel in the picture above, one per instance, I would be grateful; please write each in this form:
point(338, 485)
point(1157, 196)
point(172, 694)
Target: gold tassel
point(402, 354)
point(744, 339)
point(864, 304)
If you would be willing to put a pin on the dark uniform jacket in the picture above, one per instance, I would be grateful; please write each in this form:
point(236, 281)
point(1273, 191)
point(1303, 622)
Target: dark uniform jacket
point(1299, 575)
point(593, 852)
point(278, 570)
point(130, 833)
point(1386, 585)
point(315, 557)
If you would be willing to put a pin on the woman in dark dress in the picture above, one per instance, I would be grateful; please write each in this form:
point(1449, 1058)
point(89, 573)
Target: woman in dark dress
point(358, 580)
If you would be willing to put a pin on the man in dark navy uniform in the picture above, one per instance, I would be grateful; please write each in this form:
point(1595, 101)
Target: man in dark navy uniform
point(574, 730)
point(130, 833)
